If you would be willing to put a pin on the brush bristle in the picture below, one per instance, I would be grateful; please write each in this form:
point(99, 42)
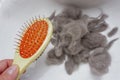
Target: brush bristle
point(32, 38)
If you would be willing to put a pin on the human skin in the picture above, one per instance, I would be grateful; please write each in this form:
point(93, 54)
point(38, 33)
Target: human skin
point(7, 70)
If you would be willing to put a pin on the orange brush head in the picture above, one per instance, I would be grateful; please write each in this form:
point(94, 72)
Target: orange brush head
point(33, 38)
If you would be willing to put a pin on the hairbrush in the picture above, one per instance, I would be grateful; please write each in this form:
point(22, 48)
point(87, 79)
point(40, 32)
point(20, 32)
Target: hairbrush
point(33, 41)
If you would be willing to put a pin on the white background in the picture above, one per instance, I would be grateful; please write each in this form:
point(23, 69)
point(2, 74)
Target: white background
point(13, 14)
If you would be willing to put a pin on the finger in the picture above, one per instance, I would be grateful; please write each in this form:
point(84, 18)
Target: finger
point(8, 61)
point(10, 74)
point(4, 64)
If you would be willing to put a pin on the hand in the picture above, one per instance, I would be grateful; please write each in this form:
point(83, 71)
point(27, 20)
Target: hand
point(7, 70)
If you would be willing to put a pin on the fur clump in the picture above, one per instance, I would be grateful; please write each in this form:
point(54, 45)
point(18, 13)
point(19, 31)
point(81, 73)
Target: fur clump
point(113, 32)
point(98, 24)
point(53, 59)
point(99, 61)
point(77, 39)
point(94, 40)
point(70, 65)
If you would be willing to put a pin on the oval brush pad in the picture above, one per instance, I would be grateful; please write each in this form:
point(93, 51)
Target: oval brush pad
point(32, 43)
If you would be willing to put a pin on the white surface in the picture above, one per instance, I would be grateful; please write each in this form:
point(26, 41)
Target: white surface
point(13, 14)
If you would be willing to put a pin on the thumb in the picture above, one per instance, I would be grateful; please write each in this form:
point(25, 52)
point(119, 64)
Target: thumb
point(10, 74)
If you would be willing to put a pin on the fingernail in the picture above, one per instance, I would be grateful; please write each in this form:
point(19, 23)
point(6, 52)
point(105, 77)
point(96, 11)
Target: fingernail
point(12, 69)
